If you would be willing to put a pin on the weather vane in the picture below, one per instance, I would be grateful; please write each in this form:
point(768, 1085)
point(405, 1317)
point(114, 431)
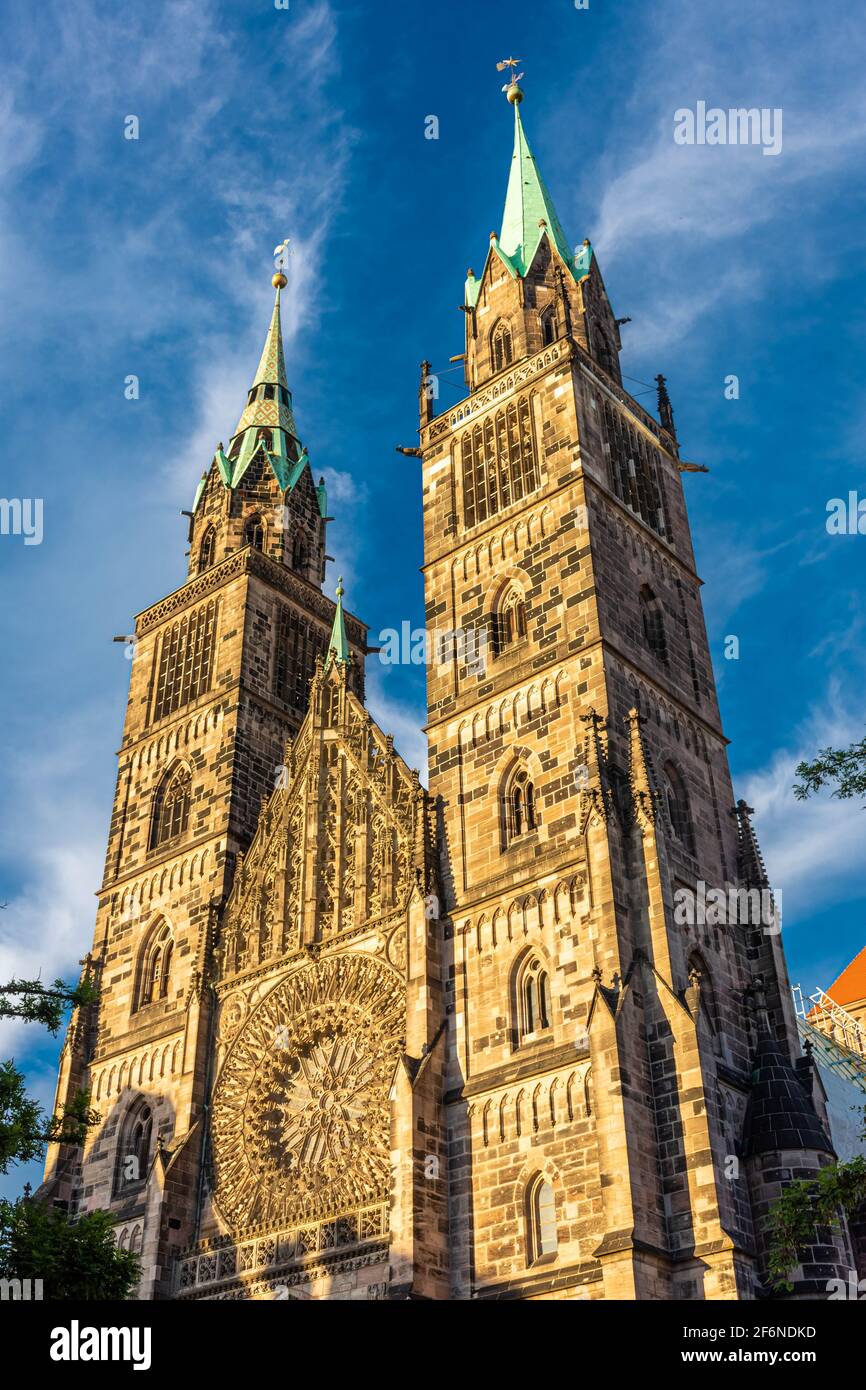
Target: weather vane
point(281, 260)
point(511, 89)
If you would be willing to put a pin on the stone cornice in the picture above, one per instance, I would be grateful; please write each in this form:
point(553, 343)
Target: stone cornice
point(547, 1281)
point(469, 705)
point(249, 561)
point(497, 389)
point(536, 365)
point(554, 868)
point(551, 858)
point(538, 1060)
point(136, 1037)
point(152, 862)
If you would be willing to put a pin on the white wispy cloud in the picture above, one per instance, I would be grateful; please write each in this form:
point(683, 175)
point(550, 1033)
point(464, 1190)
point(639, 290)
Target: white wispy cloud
point(813, 849)
point(138, 261)
point(687, 212)
point(57, 849)
point(258, 210)
point(737, 559)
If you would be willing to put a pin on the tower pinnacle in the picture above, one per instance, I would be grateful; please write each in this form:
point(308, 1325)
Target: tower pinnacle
point(339, 643)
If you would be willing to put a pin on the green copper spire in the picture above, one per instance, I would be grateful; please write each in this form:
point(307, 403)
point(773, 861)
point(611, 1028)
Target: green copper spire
point(339, 643)
point(268, 408)
point(527, 204)
point(266, 431)
point(270, 401)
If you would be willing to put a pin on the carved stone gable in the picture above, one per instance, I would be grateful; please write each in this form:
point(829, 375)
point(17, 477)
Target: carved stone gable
point(338, 844)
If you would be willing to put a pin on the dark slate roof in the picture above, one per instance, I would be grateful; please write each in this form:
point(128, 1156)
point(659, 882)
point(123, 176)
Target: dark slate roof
point(780, 1113)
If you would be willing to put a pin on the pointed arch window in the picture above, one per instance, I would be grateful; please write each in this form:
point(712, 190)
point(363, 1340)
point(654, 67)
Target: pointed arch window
point(606, 358)
point(155, 965)
point(510, 626)
point(701, 982)
point(133, 1148)
point(254, 532)
point(171, 807)
point(157, 973)
point(501, 349)
point(207, 549)
point(549, 327)
point(520, 810)
point(653, 623)
point(635, 469)
point(532, 999)
point(299, 551)
point(542, 1240)
point(679, 811)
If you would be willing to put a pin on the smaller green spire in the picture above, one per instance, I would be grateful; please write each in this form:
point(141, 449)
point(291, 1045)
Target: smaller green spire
point(339, 643)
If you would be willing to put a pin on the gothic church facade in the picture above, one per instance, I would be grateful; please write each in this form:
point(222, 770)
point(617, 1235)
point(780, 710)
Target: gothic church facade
point(356, 1038)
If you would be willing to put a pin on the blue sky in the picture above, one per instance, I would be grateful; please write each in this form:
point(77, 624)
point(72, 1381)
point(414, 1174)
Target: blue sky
point(152, 257)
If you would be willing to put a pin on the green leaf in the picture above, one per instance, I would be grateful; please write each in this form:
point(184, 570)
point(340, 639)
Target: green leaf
point(74, 1259)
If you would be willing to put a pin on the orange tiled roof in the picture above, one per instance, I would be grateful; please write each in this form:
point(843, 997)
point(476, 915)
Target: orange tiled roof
point(851, 984)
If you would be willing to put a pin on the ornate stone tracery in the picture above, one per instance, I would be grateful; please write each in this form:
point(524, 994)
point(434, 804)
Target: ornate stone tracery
point(300, 1110)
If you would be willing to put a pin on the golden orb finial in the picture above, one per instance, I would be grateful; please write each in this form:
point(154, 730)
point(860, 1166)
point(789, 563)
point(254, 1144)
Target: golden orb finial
point(514, 94)
point(279, 281)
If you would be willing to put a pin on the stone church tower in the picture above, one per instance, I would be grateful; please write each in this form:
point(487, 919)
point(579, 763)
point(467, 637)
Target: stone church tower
point(355, 1039)
point(624, 1093)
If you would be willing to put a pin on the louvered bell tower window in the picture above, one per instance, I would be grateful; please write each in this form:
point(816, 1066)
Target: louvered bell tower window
point(185, 661)
point(499, 462)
